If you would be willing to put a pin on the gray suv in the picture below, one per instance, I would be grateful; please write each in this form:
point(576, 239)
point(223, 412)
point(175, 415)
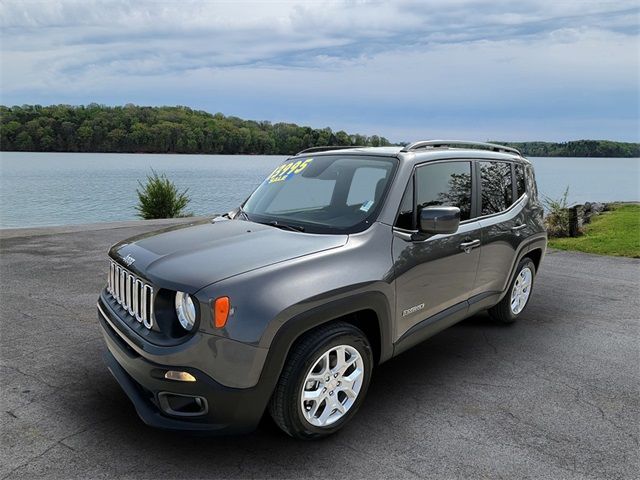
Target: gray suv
point(338, 261)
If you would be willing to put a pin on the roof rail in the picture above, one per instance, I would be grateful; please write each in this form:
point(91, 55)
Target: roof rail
point(326, 149)
point(449, 143)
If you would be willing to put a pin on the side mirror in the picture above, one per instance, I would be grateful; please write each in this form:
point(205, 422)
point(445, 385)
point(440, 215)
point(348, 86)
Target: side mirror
point(435, 220)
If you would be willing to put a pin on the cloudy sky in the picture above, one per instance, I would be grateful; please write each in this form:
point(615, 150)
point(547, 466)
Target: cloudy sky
point(406, 69)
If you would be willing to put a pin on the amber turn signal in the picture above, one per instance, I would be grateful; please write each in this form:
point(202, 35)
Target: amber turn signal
point(221, 308)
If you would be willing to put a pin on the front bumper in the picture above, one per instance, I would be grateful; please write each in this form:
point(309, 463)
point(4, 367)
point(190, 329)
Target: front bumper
point(227, 410)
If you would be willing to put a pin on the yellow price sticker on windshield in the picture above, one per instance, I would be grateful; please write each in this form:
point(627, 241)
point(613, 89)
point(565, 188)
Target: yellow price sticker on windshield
point(288, 170)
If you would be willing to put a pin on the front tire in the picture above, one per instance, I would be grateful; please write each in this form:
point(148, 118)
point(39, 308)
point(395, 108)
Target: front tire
point(323, 382)
point(517, 298)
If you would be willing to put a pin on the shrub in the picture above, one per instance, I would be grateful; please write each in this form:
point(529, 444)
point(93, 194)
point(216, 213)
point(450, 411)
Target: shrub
point(160, 198)
point(557, 220)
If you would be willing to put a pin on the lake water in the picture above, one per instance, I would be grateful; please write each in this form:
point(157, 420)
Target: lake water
point(38, 189)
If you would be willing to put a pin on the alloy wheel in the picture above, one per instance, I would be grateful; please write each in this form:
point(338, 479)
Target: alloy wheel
point(332, 385)
point(521, 290)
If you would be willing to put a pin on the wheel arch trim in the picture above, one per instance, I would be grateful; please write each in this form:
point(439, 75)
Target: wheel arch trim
point(537, 242)
point(293, 328)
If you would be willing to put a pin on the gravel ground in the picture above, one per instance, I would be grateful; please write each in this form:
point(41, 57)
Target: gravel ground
point(556, 395)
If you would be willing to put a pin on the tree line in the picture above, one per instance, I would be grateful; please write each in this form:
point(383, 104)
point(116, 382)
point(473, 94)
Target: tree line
point(137, 129)
point(577, 148)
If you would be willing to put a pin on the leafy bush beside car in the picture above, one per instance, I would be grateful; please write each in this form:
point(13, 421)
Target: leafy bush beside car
point(160, 198)
point(557, 219)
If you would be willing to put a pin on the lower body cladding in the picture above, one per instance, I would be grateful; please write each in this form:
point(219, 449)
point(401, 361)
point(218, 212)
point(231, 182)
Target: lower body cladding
point(200, 405)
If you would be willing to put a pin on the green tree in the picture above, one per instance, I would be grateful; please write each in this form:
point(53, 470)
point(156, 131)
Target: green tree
point(24, 142)
point(84, 138)
point(8, 134)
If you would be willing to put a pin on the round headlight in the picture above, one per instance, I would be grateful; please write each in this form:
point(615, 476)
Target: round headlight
point(186, 310)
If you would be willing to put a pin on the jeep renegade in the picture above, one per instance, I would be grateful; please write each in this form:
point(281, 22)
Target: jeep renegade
point(338, 261)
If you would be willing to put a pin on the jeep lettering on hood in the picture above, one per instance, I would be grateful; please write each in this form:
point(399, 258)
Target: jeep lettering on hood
point(174, 258)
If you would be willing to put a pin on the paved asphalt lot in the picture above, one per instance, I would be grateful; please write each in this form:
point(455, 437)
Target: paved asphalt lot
point(555, 396)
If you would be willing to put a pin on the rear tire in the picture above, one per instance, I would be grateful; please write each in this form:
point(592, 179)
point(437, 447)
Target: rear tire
point(518, 295)
point(323, 382)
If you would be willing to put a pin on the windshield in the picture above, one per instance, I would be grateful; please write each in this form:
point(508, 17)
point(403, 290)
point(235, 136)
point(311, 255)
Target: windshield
point(323, 194)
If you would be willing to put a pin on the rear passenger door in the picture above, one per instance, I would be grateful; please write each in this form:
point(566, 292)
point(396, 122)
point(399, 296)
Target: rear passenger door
point(434, 273)
point(502, 220)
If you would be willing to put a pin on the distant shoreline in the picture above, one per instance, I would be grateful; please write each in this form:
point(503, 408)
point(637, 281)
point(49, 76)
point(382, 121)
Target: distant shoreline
point(130, 128)
point(262, 154)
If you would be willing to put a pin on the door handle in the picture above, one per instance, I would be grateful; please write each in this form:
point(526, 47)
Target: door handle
point(468, 246)
point(517, 229)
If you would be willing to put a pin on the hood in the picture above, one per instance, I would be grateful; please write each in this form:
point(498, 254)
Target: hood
point(190, 257)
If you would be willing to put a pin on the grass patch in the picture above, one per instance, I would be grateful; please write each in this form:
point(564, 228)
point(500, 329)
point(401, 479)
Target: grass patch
point(616, 232)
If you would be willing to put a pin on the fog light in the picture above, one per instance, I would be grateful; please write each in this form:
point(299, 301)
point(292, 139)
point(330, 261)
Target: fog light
point(179, 376)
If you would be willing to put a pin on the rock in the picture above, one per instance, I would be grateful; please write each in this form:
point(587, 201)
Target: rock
point(591, 208)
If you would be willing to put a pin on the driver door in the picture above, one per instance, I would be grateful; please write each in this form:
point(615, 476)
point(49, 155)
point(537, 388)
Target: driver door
point(435, 273)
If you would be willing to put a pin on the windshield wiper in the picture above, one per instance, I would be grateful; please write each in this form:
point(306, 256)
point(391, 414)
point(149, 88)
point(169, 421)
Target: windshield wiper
point(235, 213)
point(243, 213)
point(285, 226)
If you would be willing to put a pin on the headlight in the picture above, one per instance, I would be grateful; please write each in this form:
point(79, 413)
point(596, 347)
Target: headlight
point(186, 310)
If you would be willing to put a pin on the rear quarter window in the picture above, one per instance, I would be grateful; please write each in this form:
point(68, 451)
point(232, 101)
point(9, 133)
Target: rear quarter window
point(532, 188)
point(520, 180)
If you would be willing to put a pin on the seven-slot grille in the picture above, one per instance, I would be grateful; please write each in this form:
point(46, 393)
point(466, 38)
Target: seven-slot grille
point(135, 296)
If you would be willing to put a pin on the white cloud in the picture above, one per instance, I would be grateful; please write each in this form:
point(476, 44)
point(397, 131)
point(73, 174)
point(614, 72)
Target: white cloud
point(431, 59)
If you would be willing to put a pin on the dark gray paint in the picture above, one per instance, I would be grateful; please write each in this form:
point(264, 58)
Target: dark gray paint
point(275, 277)
point(266, 298)
point(435, 272)
point(190, 257)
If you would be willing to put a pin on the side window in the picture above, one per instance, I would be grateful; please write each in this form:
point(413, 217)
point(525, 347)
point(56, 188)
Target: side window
point(447, 184)
point(497, 186)
point(366, 185)
point(520, 181)
point(405, 215)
